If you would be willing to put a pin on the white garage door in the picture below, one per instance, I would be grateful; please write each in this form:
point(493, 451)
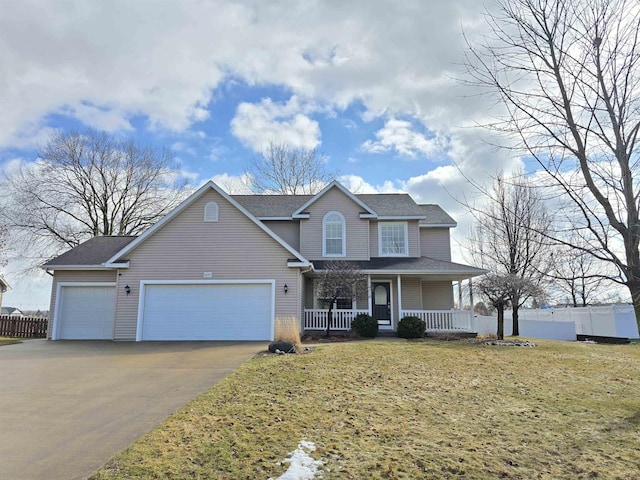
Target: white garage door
point(207, 312)
point(86, 313)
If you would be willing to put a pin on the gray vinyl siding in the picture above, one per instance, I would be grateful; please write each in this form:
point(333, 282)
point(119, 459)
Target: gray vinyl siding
point(373, 239)
point(411, 293)
point(357, 229)
point(413, 229)
point(435, 243)
point(287, 230)
point(234, 248)
point(413, 232)
point(75, 276)
point(437, 295)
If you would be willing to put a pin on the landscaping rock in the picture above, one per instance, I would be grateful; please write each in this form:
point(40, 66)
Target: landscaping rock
point(502, 343)
point(282, 347)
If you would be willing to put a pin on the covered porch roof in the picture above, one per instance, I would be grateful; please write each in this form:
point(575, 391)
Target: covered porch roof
point(425, 267)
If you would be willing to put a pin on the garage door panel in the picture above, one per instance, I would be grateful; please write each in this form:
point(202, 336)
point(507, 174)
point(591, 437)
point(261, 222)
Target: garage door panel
point(86, 312)
point(207, 312)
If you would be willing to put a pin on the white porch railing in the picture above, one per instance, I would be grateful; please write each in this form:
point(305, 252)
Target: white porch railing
point(317, 319)
point(436, 320)
point(443, 320)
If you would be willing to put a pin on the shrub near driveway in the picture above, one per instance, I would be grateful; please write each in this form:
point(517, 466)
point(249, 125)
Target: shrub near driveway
point(414, 410)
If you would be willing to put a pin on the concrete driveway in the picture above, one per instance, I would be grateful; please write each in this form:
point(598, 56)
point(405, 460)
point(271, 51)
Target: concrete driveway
point(67, 407)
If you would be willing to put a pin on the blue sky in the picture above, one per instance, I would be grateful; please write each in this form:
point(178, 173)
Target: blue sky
point(373, 85)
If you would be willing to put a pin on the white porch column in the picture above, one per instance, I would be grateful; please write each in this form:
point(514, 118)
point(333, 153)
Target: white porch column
point(369, 294)
point(399, 298)
point(459, 294)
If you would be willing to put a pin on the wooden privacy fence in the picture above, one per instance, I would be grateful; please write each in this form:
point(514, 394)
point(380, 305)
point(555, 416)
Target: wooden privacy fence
point(23, 327)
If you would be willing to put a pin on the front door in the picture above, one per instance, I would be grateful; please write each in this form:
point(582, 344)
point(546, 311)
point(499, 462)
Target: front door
point(381, 295)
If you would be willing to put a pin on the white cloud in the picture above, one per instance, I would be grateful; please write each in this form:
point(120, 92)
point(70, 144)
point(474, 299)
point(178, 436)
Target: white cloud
point(257, 124)
point(108, 62)
point(233, 184)
point(398, 135)
point(357, 184)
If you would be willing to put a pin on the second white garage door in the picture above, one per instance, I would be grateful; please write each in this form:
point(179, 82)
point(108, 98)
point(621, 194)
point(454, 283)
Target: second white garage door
point(206, 311)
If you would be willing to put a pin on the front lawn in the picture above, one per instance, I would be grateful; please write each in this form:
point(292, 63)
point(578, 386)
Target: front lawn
point(409, 410)
point(9, 341)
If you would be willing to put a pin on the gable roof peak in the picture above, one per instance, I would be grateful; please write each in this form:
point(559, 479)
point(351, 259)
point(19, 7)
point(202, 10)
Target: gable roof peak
point(208, 185)
point(299, 213)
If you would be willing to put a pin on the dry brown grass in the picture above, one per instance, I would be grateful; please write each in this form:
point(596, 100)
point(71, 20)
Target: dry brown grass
point(288, 330)
point(410, 410)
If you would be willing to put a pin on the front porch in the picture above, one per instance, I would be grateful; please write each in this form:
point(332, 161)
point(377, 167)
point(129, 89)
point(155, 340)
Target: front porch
point(454, 321)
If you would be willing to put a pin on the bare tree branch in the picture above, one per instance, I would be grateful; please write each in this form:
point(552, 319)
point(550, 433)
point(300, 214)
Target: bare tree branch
point(567, 73)
point(87, 184)
point(280, 169)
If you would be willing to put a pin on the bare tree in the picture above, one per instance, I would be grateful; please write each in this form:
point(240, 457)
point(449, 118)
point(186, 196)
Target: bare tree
point(567, 73)
point(85, 185)
point(498, 290)
point(4, 233)
point(578, 274)
point(339, 279)
point(284, 170)
point(509, 236)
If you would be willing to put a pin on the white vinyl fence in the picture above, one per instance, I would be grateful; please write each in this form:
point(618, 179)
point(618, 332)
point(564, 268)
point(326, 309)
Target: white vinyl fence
point(566, 323)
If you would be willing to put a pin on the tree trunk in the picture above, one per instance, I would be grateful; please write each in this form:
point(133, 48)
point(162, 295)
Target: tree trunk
point(515, 331)
point(634, 289)
point(500, 332)
point(329, 320)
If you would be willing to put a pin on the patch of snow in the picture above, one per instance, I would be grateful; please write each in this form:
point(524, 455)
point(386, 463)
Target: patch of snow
point(301, 465)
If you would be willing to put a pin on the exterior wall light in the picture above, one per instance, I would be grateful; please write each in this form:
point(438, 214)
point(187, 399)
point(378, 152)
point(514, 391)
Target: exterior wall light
point(286, 288)
point(127, 289)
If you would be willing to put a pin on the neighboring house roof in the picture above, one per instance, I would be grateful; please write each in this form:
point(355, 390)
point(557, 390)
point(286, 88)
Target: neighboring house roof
point(11, 311)
point(420, 265)
point(4, 286)
point(436, 216)
point(94, 252)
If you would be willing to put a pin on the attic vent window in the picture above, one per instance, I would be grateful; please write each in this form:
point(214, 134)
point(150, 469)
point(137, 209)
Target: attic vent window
point(211, 212)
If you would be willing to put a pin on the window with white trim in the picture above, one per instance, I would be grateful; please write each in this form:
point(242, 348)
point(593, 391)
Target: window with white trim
point(343, 301)
point(393, 239)
point(333, 235)
point(211, 212)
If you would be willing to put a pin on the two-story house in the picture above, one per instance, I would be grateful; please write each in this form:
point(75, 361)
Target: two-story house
point(228, 267)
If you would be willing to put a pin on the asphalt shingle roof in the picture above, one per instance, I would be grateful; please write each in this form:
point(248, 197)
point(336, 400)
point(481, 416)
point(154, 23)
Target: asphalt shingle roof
point(405, 264)
point(94, 251)
point(435, 215)
point(384, 204)
point(272, 205)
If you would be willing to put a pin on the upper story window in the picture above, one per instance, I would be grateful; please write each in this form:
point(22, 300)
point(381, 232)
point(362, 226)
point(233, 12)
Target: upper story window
point(333, 235)
point(211, 212)
point(393, 239)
